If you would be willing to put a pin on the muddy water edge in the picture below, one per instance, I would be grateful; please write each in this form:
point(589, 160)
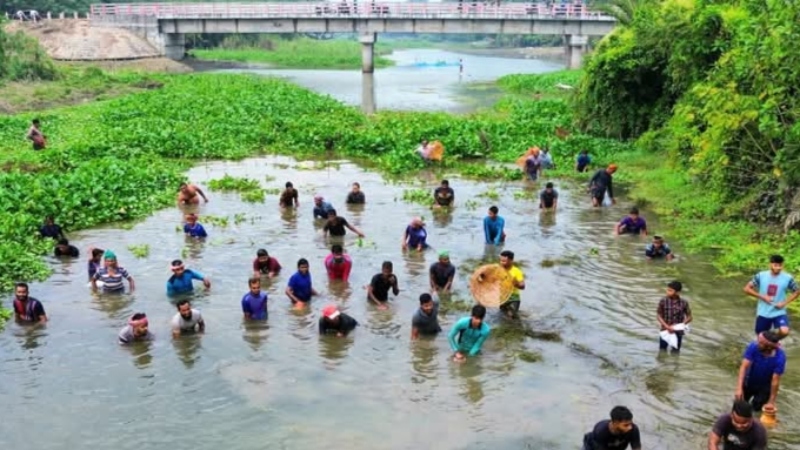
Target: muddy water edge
point(588, 340)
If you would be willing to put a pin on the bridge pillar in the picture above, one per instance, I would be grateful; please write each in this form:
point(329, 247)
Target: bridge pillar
point(574, 48)
point(367, 51)
point(174, 46)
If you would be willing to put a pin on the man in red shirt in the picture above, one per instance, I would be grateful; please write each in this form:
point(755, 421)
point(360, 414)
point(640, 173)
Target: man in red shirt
point(338, 264)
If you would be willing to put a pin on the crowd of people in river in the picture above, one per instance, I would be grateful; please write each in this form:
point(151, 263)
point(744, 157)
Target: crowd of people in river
point(760, 372)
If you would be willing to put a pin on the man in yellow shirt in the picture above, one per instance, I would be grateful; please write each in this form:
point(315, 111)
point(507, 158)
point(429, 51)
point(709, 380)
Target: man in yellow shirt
point(511, 307)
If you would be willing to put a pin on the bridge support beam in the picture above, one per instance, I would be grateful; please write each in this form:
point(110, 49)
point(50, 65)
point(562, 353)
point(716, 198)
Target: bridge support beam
point(574, 48)
point(174, 46)
point(367, 51)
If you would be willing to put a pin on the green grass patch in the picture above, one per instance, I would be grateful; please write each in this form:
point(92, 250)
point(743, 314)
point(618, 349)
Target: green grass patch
point(301, 53)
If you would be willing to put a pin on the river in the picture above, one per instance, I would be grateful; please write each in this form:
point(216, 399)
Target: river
point(282, 387)
point(415, 82)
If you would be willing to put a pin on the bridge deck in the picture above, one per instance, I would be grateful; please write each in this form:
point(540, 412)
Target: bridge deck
point(350, 10)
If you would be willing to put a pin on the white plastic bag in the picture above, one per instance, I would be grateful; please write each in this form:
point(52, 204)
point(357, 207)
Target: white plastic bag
point(607, 199)
point(669, 338)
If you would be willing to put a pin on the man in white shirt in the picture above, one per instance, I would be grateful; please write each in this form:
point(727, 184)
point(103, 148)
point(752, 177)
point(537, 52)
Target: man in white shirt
point(187, 320)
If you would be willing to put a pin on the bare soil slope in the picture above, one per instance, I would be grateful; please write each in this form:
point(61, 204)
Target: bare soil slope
point(76, 40)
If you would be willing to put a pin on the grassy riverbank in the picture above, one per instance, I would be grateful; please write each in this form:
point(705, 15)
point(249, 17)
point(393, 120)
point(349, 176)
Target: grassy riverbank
point(303, 53)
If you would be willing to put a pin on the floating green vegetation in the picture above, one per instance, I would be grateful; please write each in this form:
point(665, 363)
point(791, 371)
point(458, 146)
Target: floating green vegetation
point(485, 172)
point(471, 205)
point(491, 194)
point(230, 183)
point(563, 261)
point(421, 196)
point(140, 251)
point(217, 221)
point(239, 218)
point(454, 305)
point(529, 356)
point(272, 191)
point(526, 195)
point(269, 178)
point(254, 196)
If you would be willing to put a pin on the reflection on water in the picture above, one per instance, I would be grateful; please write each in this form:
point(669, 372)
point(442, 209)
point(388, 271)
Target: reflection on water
point(587, 341)
point(409, 85)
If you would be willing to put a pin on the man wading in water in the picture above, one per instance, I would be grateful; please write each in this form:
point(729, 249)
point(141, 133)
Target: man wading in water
point(760, 373)
point(188, 194)
point(36, 136)
point(738, 430)
point(615, 434)
point(601, 182)
point(770, 287)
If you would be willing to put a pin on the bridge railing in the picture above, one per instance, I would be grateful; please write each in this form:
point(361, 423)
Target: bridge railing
point(347, 10)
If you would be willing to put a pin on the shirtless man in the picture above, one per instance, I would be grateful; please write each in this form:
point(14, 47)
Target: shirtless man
point(188, 194)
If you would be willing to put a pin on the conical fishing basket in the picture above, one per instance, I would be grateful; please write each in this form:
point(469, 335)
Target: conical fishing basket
point(436, 152)
point(491, 285)
point(530, 152)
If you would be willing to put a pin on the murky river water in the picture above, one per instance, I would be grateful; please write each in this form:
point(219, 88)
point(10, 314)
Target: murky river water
point(415, 82)
point(282, 387)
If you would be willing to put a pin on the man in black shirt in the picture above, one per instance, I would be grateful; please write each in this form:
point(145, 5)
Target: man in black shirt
point(50, 229)
point(356, 196)
point(335, 321)
point(738, 430)
point(602, 182)
point(336, 225)
point(443, 195)
point(64, 249)
point(548, 198)
point(615, 434)
point(378, 290)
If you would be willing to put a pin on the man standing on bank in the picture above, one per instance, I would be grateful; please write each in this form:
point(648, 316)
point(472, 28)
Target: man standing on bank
point(738, 430)
point(770, 287)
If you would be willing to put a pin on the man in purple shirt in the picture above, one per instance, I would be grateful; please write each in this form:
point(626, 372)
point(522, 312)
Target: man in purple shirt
point(633, 224)
point(254, 303)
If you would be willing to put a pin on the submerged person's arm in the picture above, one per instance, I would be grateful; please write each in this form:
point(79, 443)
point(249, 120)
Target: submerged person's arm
point(501, 226)
point(451, 337)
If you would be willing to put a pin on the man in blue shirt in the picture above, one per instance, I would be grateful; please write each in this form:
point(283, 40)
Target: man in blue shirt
point(770, 287)
point(469, 334)
point(321, 207)
point(493, 226)
point(300, 289)
point(658, 249)
point(582, 161)
point(254, 303)
point(181, 280)
point(760, 372)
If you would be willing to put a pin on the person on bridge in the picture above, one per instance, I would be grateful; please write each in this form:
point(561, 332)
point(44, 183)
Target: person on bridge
point(770, 288)
point(188, 194)
point(601, 182)
point(738, 430)
point(633, 223)
point(615, 434)
point(760, 373)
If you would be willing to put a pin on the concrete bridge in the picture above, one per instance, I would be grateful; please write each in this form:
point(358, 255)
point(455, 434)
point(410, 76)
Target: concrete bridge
point(165, 24)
